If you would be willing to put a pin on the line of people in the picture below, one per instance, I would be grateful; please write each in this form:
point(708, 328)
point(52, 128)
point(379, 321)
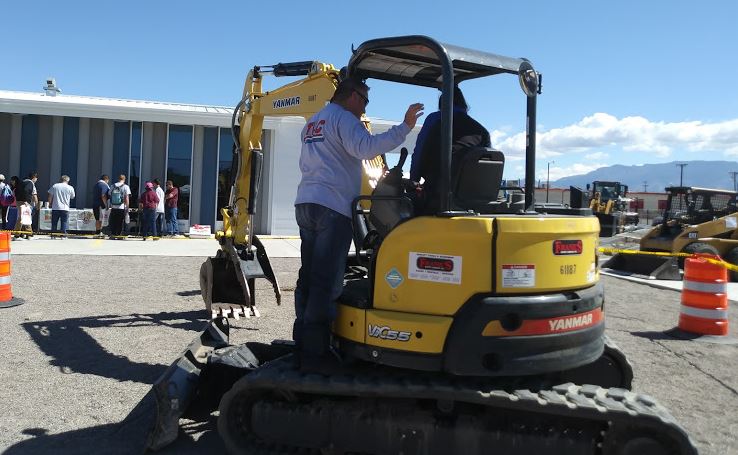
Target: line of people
point(157, 208)
point(20, 207)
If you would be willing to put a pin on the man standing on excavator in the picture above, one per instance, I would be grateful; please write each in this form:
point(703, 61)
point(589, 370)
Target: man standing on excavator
point(334, 142)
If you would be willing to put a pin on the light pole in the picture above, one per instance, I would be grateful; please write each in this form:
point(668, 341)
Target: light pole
point(681, 172)
point(548, 175)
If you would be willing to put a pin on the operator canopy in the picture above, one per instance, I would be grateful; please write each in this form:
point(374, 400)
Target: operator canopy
point(418, 60)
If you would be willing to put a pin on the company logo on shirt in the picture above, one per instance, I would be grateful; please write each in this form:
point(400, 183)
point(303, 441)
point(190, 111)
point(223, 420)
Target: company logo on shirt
point(286, 102)
point(314, 132)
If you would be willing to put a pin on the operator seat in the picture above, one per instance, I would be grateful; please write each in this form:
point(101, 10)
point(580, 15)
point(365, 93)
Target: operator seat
point(476, 179)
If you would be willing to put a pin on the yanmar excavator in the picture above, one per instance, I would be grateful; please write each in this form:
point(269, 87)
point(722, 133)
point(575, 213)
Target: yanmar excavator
point(461, 332)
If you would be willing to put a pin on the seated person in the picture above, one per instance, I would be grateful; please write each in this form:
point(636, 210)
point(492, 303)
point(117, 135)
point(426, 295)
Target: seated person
point(426, 156)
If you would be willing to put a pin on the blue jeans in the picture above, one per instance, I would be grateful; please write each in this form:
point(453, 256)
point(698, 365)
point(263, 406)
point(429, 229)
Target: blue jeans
point(62, 215)
point(326, 237)
point(148, 227)
point(171, 216)
point(159, 222)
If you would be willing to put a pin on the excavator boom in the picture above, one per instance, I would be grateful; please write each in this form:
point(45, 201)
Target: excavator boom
point(227, 280)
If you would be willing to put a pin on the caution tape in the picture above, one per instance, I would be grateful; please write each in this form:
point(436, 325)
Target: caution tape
point(711, 260)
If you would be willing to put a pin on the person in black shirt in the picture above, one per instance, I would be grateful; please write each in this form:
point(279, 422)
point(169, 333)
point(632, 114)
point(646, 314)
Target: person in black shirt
point(426, 158)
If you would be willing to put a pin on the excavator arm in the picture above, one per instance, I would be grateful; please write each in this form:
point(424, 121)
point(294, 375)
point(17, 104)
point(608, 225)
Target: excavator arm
point(227, 280)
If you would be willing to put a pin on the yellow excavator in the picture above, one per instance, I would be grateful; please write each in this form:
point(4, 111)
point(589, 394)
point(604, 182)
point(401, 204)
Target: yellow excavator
point(464, 331)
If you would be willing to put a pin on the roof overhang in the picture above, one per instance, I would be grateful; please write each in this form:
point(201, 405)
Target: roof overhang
point(115, 109)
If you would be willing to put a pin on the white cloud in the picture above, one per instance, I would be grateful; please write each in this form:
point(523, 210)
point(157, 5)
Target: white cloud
point(631, 134)
point(597, 156)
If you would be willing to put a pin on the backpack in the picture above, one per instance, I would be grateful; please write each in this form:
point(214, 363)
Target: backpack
point(116, 195)
point(6, 197)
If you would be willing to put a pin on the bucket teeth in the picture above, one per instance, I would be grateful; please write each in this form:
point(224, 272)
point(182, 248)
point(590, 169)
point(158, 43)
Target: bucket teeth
point(233, 311)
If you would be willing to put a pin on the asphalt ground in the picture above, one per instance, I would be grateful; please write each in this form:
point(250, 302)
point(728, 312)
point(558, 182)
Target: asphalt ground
point(97, 331)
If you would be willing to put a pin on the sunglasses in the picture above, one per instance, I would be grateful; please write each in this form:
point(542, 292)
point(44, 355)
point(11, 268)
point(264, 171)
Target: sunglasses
point(366, 100)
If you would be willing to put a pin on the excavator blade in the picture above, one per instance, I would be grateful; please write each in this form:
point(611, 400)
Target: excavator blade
point(175, 389)
point(643, 266)
point(194, 384)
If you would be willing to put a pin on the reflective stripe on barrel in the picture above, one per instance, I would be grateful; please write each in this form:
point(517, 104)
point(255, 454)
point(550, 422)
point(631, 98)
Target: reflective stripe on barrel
point(712, 288)
point(703, 313)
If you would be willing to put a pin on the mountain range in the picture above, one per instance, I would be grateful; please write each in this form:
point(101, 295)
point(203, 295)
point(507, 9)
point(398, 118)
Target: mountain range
point(654, 178)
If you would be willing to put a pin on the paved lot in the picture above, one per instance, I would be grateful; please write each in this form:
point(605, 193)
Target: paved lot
point(98, 330)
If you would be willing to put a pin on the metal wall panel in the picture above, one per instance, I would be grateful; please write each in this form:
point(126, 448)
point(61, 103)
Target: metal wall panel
point(97, 127)
point(158, 153)
point(6, 126)
point(196, 178)
point(43, 157)
point(57, 136)
point(106, 160)
point(16, 132)
point(84, 179)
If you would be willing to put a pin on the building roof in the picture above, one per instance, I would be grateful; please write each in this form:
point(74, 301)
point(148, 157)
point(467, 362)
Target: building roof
point(135, 110)
point(116, 109)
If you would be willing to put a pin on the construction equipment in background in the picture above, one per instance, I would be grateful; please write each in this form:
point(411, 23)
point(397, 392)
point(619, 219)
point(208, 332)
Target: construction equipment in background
point(609, 202)
point(695, 220)
point(464, 331)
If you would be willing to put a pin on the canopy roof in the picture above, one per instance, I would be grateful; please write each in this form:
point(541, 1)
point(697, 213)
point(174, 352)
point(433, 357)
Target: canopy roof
point(415, 60)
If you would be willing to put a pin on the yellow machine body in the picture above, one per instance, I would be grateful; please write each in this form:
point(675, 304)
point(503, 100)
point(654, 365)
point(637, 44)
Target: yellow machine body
point(421, 283)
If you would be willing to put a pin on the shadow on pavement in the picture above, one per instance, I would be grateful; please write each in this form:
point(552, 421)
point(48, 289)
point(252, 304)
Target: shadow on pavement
point(74, 351)
point(126, 437)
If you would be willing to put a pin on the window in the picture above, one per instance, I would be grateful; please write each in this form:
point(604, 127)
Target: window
point(179, 165)
point(225, 160)
point(134, 167)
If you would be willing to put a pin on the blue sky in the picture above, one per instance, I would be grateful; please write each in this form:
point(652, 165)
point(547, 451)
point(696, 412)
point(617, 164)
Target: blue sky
point(626, 82)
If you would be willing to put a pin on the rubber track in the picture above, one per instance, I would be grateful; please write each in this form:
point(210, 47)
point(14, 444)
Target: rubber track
point(616, 406)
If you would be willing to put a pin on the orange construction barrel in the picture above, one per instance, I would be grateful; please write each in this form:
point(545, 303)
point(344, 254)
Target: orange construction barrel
point(704, 309)
point(6, 293)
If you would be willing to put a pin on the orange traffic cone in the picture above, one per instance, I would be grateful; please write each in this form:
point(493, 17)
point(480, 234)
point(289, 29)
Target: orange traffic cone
point(704, 309)
point(6, 294)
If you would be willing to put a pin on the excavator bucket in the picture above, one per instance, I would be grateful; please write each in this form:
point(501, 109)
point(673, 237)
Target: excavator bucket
point(644, 266)
point(227, 282)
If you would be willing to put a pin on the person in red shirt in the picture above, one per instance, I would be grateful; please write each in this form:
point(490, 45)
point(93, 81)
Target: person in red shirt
point(171, 199)
point(148, 202)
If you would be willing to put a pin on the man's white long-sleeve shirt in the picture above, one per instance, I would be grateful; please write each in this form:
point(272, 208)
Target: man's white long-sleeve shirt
point(334, 142)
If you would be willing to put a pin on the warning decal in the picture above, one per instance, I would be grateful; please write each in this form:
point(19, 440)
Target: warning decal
point(434, 267)
point(518, 275)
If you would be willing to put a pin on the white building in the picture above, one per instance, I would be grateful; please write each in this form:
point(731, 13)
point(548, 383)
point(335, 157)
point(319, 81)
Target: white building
point(85, 137)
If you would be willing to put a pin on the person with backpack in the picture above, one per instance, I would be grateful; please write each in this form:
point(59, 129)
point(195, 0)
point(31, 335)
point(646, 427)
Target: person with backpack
point(119, 198)
point(6, 199)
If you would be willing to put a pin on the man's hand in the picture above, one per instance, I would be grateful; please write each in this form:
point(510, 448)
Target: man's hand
point(413, 114)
